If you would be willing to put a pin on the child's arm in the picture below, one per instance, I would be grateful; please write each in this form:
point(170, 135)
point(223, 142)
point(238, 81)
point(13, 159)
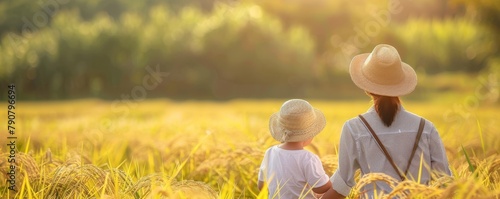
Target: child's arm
point(263, 171)
point(323, 189)
point(332, 194)
point(260, 184)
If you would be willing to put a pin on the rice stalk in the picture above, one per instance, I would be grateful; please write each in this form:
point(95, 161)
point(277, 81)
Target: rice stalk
point(25, 167)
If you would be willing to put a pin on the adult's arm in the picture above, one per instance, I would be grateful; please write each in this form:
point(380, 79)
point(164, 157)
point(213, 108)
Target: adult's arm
point(439, 161)
point(343, 179)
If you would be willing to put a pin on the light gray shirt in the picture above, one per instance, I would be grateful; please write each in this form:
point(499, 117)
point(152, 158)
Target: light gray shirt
point(359, 150)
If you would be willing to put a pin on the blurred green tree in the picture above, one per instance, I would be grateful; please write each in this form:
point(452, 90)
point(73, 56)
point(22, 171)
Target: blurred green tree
point(236, 51)
point(487, 12)
point(445, 46)
point(225, 48)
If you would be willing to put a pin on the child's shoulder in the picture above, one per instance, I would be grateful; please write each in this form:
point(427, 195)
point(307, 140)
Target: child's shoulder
point(272, 148)
point(278, 150)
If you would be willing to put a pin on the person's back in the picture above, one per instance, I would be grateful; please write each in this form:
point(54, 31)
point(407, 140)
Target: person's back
point(398, 139)
point(387, 138)
point(288, 169)
point(291, 171)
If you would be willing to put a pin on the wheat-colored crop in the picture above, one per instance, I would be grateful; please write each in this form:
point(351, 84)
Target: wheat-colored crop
point(192, 189)
point(330, 163)
point(145, 184)
point(24, 165)
point(369, 179)
point(163, 149)
point(412, 189)
point(78, 180)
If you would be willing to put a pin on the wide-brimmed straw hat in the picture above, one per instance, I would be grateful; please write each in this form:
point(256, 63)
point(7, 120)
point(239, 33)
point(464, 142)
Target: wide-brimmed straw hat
point(296, 121)
point(382, 72)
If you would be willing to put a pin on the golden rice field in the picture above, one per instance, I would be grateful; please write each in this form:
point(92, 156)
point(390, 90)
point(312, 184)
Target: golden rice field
point(203, 149)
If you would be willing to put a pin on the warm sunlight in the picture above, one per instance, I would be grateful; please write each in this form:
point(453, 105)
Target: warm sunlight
point(205, 98)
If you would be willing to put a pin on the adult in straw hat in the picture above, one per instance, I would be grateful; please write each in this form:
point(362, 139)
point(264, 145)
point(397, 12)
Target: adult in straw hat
point(287, 168)
point(387, 138)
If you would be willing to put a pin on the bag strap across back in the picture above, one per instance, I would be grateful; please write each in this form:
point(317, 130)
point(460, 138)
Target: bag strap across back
point(386, 153)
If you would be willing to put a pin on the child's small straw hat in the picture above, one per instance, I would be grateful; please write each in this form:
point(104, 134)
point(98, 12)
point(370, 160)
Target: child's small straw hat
point(382, 72)
point(296, 121)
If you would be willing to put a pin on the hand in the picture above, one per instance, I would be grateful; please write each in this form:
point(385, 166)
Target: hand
point(317, 195)
point(332, 194)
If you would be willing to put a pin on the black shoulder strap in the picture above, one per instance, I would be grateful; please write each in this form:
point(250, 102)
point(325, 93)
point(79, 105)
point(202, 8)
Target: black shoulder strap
point(417, 140)
point(386, 153)
point(382, 147)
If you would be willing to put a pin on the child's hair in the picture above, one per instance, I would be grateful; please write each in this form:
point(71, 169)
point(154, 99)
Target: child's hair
point(386, 107)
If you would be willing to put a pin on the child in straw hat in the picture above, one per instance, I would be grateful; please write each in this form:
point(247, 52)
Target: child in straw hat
point(288, 169)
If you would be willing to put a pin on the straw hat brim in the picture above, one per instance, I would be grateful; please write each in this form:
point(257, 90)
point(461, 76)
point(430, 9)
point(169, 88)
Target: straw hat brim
point(406, 86)
point(277, 130)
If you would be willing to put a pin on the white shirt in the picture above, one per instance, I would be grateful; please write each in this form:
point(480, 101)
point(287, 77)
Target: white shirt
point(291, 174)
point(359, 150)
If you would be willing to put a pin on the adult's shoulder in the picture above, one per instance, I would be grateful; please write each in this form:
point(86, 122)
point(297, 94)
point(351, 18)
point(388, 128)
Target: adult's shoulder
point(352, 122)
point(415, 118)
point(355, 127)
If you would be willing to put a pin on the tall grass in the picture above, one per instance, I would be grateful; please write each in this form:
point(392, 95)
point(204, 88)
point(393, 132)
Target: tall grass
point(200, 149)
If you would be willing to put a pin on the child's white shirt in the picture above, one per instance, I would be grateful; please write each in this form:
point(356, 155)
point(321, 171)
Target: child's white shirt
point(291, 173)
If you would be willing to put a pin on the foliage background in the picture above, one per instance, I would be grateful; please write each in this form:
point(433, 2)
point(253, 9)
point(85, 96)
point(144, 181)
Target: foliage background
point(64, 49)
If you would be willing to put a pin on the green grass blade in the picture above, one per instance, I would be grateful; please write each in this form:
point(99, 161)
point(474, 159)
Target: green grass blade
point(471, 167)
